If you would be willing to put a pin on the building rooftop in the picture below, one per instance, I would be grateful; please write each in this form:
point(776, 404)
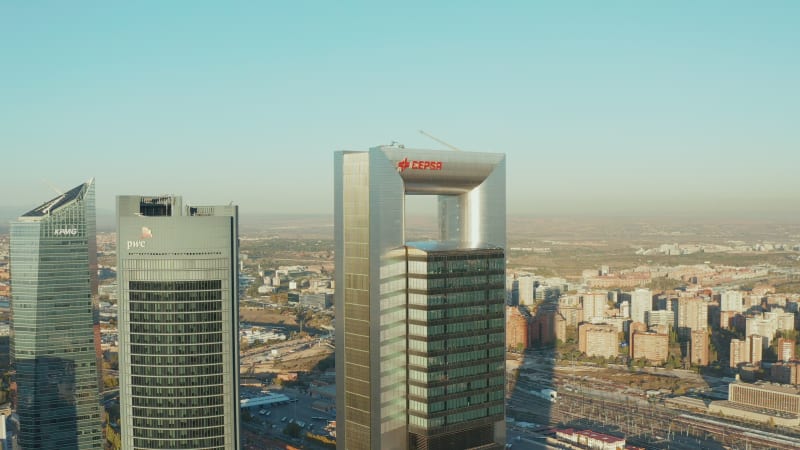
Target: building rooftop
point(775, 387)
point(62, 200)
point(591, 434)
point(754, 409)
point(600, 436)
point(444, 246)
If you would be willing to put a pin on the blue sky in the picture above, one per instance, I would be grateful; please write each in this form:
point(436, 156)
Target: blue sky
point(610, 108)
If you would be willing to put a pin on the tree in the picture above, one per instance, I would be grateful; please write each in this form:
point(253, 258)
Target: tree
point(293, 430)
point(110, 382)
point(673, 335)
point(303, 315)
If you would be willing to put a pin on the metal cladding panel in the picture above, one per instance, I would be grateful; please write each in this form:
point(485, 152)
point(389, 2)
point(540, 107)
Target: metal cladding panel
point(471, 189)
point(386, 215)
point(437, 172)
point(338, 296)
point(354, 359)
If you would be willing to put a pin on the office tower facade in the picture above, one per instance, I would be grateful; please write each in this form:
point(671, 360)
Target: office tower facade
point(178, 324)
point(641, 303)
point(526, 285)
point(692, 315)
point(755, 348)
point(53, 249)
point(594, 306)
point(420, 331)
point(731, 301)
point(739, 352)
point(785, 349)
point(651, 346)
point(518, 323)
point(654, 318)
point(598, 340)
point(699, 348)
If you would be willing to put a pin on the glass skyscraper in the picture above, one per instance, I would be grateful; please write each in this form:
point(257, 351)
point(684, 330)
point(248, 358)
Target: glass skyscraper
point(178, 324)
point(420, 326)
point(53, 254)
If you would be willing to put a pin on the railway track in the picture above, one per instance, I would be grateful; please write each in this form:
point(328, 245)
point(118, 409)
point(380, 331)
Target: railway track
point(651, 426)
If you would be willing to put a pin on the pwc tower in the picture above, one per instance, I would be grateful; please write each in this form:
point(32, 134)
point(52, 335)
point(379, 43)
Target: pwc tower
point(178, 324)
point(53, 275)
point(420, 325)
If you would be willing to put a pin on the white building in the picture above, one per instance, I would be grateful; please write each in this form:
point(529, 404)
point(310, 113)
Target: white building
point(594, 306)
point(731, 301)
point(525, 290)
point(641, 301)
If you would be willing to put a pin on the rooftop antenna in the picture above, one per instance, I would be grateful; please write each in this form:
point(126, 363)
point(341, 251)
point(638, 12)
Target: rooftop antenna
point(52, 186)
point(451, 147)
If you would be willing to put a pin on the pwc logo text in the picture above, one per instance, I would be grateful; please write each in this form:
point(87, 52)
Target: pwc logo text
point(147, 233)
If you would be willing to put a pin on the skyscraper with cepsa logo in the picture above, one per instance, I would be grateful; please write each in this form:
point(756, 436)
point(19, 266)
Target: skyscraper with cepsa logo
point(178, 324)
point(53, 274)
point(420, 325)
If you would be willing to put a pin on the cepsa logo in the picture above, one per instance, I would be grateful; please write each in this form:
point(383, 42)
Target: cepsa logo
point(418, 165)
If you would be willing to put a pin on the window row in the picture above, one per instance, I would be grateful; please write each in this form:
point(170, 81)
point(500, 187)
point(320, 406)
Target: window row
point(492, 296)
point(186, 360)
point(175, 285)
point(176, 339)
point(172, 264)
point(181, 328)
point(215, 443)
point(190, 296)
point(172, 350)
point(175, 424)
point(176, 381)
point(177, 318)
point(464, 311)
point(182, 402)
point(196, 392)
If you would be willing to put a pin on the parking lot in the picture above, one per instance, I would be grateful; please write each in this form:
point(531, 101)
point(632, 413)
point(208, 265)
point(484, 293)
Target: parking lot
point(271, 420)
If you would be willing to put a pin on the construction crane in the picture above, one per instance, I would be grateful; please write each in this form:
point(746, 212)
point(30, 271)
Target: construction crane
point(451, 147)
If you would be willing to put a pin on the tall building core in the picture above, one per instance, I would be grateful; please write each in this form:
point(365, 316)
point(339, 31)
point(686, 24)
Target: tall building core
point(53, 250)
point(178, 324)
point(526, 288)
point(692, 315)
point(641, 304)
point(594, 306)
point(731, 301)
point(420, 339)
point(598, 340)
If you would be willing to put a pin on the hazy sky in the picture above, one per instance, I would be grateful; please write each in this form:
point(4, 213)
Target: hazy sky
point(601, 107)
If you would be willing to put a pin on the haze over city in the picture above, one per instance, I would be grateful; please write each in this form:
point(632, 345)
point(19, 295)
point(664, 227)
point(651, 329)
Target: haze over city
point(404, 226)
point(629, 109)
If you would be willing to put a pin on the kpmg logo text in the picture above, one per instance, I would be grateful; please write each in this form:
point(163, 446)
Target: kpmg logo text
point(418, 165)
point(65, 232)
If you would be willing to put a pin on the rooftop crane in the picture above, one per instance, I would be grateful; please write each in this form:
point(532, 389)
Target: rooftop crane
point(451, 147)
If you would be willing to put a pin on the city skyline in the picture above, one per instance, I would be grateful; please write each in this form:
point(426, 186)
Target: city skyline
point(628, 109)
